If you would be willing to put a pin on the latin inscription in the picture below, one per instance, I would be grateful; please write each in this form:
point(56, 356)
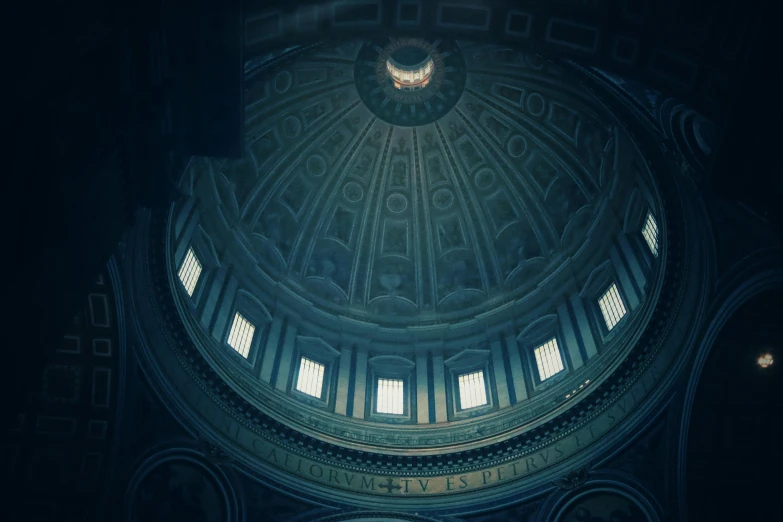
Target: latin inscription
point(283, 461)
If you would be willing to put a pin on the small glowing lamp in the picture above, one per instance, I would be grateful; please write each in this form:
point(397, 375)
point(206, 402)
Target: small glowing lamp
point(765, 360)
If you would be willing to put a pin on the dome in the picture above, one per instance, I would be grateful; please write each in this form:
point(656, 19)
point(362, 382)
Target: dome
point(394, 281)
point(345, 207)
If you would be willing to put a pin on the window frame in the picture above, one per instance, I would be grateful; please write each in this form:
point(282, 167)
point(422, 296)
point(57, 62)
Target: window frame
point(200, 244)
point(302, 359)
point(649, 214)
point(606, 332)
point(253, 340)
point(528, 348)
point(391, 367)
point(558, 349)
point(376, 386)
point(468, 361)
point(635, 221)
point(201, 272)
point(458, 395)
point(316, 350)
point(326, 385)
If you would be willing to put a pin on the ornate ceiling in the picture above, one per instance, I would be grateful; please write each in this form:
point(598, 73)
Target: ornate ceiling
point(374, 239)
point(345, 201)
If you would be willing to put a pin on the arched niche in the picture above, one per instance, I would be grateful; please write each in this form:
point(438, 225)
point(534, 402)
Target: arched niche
point(605, 496)
point(603, 505)
point(733, 454)
point(178, 484)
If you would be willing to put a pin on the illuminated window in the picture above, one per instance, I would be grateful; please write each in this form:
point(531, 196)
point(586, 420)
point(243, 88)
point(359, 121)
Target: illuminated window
point(650, 233)
point(612, 306)
point(548, 359)
point(241, 335)
point(472, 392)
point(390, 397)
point(311, 377)
point(189, 271)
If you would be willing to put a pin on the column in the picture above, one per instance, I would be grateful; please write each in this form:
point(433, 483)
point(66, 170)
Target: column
point(515, 366)
point(624, 279)
point(499, 369)
point(422, 390)
point(633, 261)
point(286, 358)
point(343, 381)
point(360, 389)
point(569, 337)
point(439, 385)
point(183, 214)
point(583, 326)
point(270, 350)
point(184, 240)
point(212, 295)
point(225, 309)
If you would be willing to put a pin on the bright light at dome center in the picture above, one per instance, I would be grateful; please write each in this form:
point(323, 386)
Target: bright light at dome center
point(409, 78)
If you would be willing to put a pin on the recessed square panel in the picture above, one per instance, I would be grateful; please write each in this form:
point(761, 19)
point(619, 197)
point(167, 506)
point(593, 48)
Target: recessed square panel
point(518, 23)
point(307, 18)
point(96, 429)
point(356, 12)
point(70, 344)
point(573, 35)
point(101, 347)
point(408, 12)
point(464, 16)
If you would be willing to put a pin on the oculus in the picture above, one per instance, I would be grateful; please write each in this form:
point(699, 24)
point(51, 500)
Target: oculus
point(410, 68)
point(410, 81)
